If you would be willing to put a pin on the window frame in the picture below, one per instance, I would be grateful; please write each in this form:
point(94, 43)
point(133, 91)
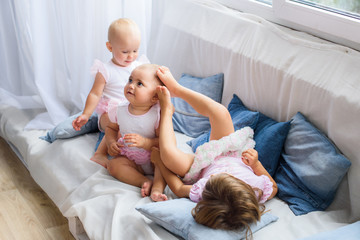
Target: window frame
point(326, 21)
point(325, 24)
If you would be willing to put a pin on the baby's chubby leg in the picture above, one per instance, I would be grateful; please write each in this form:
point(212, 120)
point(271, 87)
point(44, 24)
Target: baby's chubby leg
point(104, 121)
point(128, 172)
point(100, 156)
point(159, 184)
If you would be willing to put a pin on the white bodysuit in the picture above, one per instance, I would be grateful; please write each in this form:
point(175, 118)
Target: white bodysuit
point(144, 125)
point(116, 78)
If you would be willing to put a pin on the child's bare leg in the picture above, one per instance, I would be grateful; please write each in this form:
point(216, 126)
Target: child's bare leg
point(173, 158)
point(128, 172)
point(219, 116)
point(100, 155)
point(157, 191)
point(104, 121)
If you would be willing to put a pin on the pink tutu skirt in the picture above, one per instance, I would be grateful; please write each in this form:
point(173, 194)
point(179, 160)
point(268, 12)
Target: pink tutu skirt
point(105, 104)
point(139, 155)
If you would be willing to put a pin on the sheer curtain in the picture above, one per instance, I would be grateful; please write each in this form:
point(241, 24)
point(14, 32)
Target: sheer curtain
point(48, 47)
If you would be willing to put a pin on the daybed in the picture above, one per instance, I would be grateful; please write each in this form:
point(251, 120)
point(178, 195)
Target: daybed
point(273, 70)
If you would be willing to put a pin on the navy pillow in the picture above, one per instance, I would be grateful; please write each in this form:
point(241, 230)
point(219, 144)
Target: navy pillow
point(240, 115)
point(269, 137)
point(310, 169)
point(185, 119)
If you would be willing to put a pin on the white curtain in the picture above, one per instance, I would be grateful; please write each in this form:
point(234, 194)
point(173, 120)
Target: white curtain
point(48, 47)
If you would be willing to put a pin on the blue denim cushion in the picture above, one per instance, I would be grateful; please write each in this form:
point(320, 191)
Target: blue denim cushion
point(185, 119)
point(240, 115)
point(65, 129)
point(269, 137)
point(310, 169)
point(175, 216)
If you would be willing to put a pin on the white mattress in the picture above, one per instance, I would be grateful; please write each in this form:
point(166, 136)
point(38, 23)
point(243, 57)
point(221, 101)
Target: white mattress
point(105, 206)
point(273, 70)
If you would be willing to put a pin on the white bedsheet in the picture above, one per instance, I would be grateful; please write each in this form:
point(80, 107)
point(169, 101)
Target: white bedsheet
point(273, 70)
point(105, 206)
point(77, 185)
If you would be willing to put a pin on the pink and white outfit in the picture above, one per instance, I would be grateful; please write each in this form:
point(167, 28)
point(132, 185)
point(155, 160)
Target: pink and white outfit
point(144, 125)
point(224, 156)
point(116, 78)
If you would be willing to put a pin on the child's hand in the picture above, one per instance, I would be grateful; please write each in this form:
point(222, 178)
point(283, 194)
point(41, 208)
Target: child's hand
point(250, 157)
point(80, 121)
point(114, 149)
point(168, 80)
point(135, 140)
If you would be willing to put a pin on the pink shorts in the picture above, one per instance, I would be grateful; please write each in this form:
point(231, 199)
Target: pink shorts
point(140, 156)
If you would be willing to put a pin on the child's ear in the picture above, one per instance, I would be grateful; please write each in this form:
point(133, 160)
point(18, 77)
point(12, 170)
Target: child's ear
point(155, 98)
point(109, 47)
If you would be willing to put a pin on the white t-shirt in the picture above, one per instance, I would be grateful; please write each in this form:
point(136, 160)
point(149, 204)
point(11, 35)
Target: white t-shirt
point(116, 77)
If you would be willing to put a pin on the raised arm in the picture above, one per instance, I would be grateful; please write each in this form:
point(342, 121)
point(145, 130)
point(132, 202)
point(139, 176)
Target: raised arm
point(250, 158)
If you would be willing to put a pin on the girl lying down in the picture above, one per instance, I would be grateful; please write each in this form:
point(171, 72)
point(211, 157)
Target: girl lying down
point(224, 176)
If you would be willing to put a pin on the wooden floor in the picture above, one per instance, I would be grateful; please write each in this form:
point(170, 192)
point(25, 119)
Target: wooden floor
point(26, 212)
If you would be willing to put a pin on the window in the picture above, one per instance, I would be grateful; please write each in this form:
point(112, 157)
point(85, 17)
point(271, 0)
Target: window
point(334, 20)
point(345, 7)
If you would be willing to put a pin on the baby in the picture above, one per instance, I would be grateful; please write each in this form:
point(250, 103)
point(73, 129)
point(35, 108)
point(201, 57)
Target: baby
point(138, 122)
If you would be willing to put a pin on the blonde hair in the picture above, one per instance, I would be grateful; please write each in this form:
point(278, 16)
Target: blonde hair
point(122, 26)
point(152, 67)
point(228, 203)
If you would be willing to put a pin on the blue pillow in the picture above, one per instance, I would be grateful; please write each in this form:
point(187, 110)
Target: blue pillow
point(240, 116)
point(269, 136)
point(175, 216)
point(310, 169)
point(348, 232)
point(65, 129)
point(185, 119)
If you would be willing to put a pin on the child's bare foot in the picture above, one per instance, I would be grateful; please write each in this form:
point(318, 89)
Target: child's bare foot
point(100, 159)
point(158, 196)
point(146, 188)
point(165, 100)
point(167, 78)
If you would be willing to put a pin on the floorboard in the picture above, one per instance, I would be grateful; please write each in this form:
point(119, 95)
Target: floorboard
point(26, 211)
